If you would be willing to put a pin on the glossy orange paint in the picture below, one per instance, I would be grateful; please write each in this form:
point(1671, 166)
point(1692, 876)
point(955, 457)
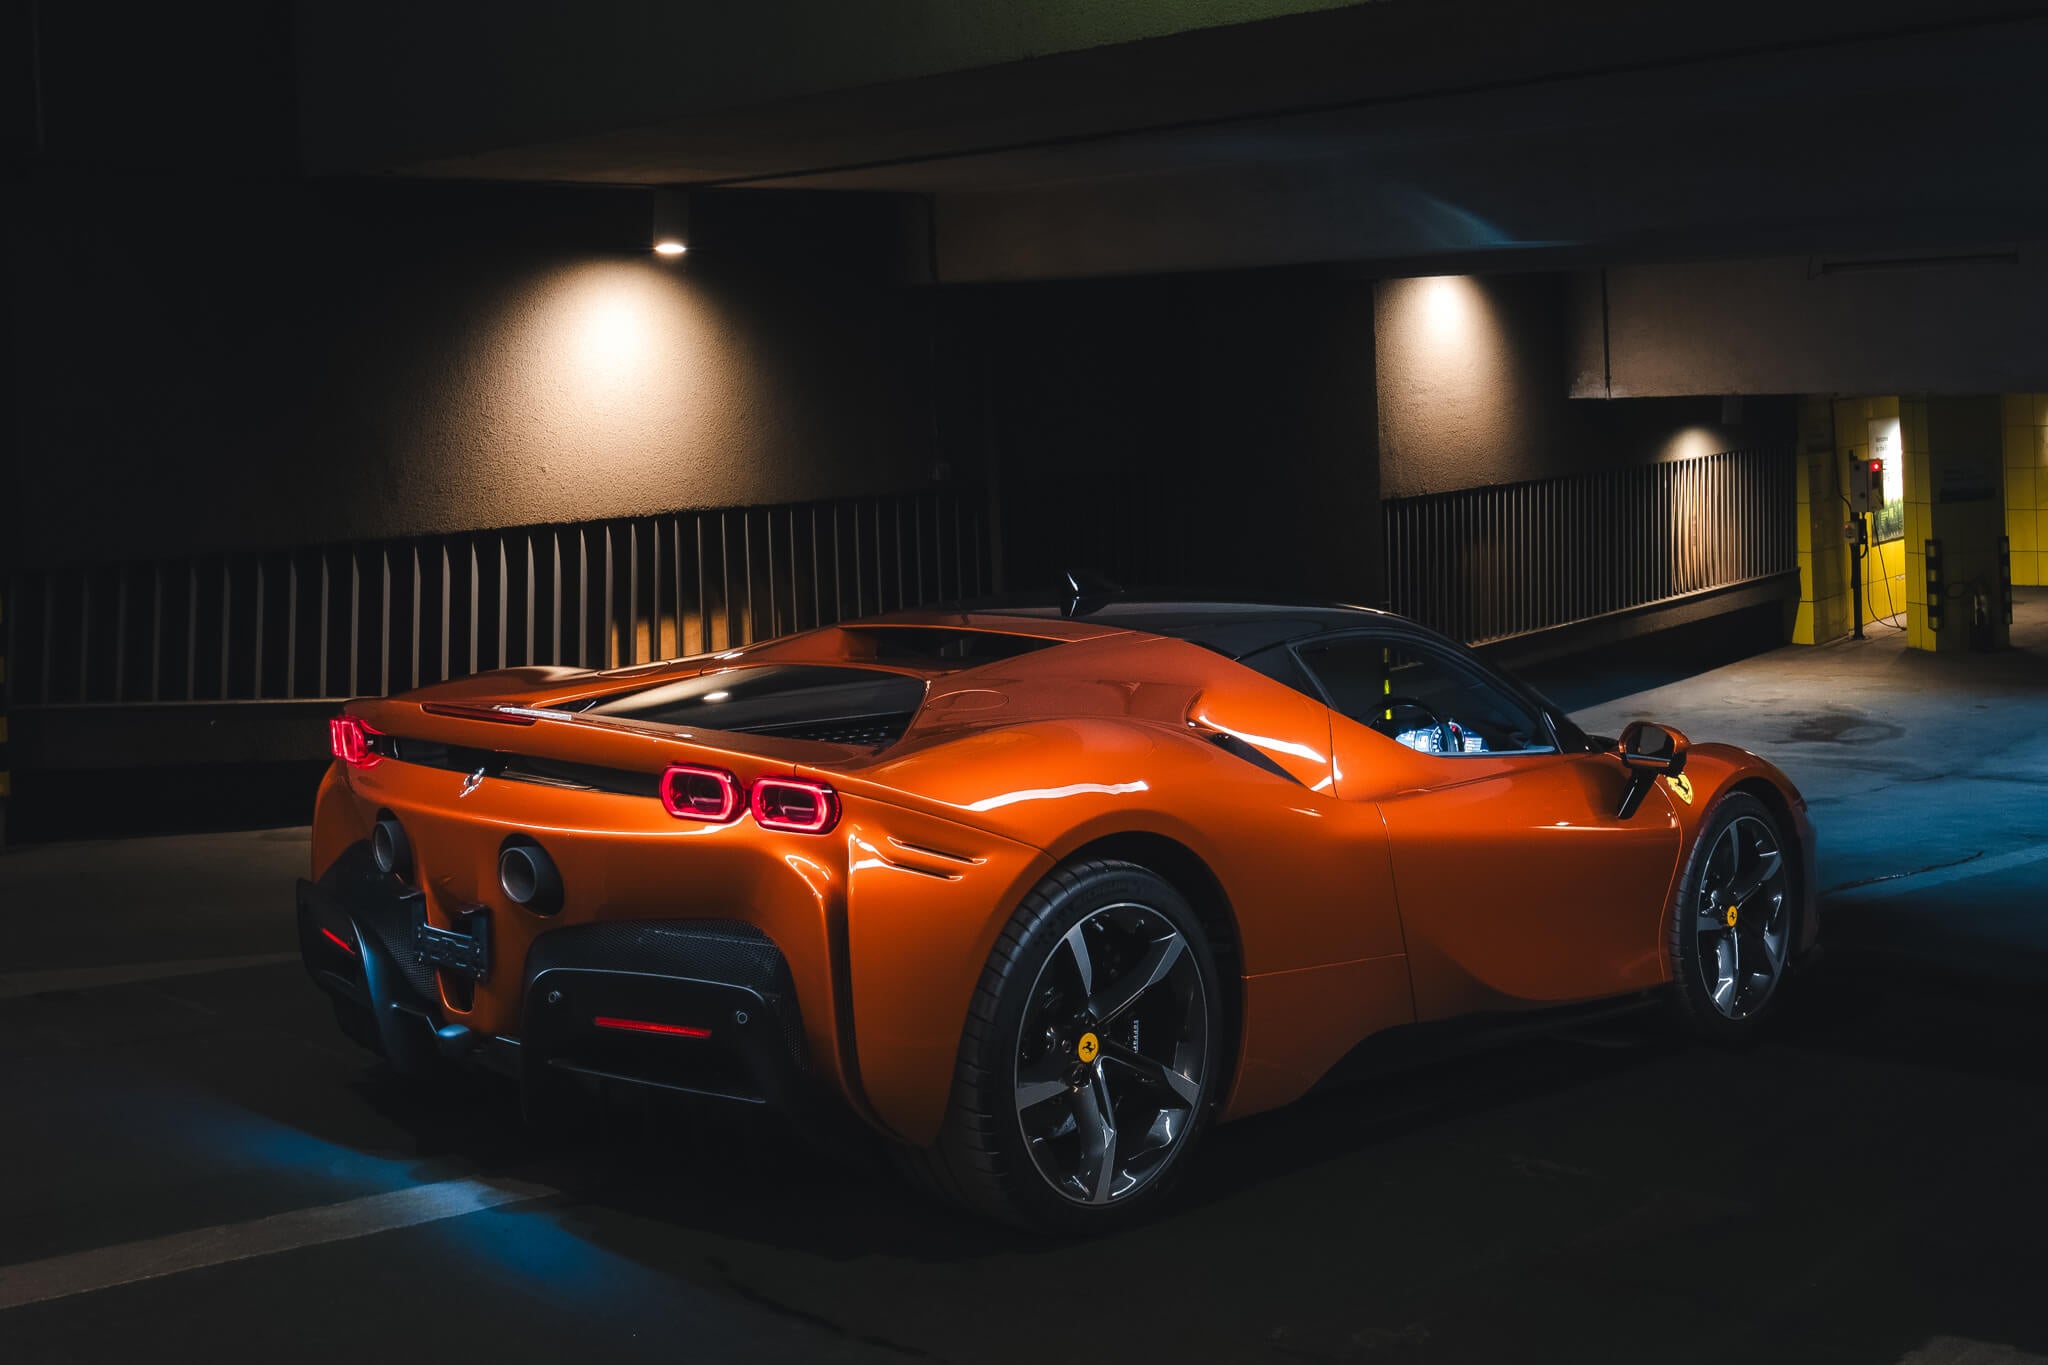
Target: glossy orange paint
point(1365, 885)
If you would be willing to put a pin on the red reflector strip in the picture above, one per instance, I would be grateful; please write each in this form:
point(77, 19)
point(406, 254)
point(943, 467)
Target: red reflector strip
point(649, 1026)
point(338, 941)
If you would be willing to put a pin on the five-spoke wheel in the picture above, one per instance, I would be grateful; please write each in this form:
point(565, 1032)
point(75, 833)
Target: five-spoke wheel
point(1113, 1053)
point(1733, 934)
point(1091, 1057)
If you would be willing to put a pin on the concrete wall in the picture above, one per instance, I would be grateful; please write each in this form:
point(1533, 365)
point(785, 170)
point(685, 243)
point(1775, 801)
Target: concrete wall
point(1813, 325)
point(1474, 373)
point(234, 366)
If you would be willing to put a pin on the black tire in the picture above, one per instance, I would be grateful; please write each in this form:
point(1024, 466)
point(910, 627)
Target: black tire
point(1706, 1004)
point(983, 1159)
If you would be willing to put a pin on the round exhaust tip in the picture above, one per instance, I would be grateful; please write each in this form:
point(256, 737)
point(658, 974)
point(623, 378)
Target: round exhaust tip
point(530, 878)
point(390, 849)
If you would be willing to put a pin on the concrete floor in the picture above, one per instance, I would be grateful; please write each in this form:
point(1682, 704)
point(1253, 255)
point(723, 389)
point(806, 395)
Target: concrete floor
point(1866, 1186)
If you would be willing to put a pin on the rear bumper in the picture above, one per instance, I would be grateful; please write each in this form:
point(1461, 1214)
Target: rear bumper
point(701, 1007)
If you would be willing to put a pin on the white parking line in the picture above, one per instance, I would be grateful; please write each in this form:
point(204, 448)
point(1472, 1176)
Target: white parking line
point(1920, 881)
point(82, 1272)
point(15, 984)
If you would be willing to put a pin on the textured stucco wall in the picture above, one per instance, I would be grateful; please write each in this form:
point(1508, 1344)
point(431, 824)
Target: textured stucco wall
point(263, 367)
point(1816, 325)
point(1474, 377)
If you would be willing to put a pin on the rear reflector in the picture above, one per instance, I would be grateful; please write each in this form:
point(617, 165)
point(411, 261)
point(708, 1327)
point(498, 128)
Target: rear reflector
point(349, 739)
point(712, 795)
point(650, 1026)
point(338, 941)
point(795, 805)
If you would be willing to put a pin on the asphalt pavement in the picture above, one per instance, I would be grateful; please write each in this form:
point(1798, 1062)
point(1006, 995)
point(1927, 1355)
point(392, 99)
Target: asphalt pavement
point(195, 1165)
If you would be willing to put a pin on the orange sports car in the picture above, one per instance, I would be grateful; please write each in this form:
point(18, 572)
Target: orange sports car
point(1037, 891)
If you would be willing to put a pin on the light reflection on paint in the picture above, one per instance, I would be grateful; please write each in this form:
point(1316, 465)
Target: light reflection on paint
point(816, 875)
point(1284, 746)
point(1058, 793)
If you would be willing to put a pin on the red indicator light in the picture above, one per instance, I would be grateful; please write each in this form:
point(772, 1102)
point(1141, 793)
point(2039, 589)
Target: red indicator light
point(1877, 466)
point(338, 941)
point(650, 1026)
point(712, 795)
point(795, 805)
point(349, 739)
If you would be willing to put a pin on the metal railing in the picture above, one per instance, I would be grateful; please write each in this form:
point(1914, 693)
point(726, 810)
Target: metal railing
point(334, 621)
point(1483, 564)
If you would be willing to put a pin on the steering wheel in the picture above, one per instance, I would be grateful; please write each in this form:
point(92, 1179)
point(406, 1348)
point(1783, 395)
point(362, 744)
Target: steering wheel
point(1446, 733)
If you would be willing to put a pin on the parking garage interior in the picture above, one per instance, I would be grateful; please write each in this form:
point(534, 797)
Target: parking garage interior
point(344, 358)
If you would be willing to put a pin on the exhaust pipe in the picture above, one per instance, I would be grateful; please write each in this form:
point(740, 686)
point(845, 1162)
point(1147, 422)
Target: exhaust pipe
point(530, 878)
point(390, 849)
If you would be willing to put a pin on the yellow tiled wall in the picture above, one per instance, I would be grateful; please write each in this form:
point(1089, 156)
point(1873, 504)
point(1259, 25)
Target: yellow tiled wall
point(1891, 565)
point(2026, 485)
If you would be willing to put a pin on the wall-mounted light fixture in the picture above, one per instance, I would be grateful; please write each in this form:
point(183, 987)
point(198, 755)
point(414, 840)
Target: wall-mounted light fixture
point(671, 224)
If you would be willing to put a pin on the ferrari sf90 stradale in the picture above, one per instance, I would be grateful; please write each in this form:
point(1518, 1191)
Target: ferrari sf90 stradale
point(1036, 892)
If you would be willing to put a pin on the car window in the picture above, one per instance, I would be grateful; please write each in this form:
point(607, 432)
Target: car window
point(1422, 698)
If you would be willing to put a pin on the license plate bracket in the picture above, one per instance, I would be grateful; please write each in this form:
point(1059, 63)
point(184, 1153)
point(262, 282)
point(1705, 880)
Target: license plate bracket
point(465, 948)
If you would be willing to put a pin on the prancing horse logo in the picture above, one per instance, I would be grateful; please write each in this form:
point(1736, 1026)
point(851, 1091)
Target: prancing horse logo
point(471, 783)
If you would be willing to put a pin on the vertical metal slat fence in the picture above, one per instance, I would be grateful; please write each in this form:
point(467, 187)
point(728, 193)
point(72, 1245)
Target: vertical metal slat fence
point(334, 621)
point(1484, 564)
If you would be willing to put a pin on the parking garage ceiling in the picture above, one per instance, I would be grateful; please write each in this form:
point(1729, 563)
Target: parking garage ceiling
point(1139, 137)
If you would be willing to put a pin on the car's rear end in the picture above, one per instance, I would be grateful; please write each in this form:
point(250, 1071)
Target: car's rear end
point(577, 878)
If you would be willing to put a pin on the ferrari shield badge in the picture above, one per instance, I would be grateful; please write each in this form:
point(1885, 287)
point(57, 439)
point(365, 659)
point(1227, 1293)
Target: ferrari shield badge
point(1681, 786)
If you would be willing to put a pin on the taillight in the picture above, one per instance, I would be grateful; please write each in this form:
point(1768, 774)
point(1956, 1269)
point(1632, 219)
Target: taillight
point(349, 737)
point(708, 794)
point(795, 805)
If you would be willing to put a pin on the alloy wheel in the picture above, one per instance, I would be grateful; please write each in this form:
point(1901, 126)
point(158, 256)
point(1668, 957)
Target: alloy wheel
point(1113, 1054)
point(1742, 919)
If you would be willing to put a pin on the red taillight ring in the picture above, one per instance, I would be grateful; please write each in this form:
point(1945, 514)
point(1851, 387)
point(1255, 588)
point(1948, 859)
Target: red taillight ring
point(795, 805)
point(348, 737)
point(685, 796)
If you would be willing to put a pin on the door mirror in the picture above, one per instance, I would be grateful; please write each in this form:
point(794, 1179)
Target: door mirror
point(1648, 751)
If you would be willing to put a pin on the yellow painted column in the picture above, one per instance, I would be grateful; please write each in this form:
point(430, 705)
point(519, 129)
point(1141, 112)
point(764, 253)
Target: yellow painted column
point(1823, 611)
point(1919, 519)
point(1961, 496)
point(2026, 484)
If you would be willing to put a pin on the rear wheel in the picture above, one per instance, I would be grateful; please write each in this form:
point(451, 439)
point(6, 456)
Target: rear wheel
point(1732, 935)
point(1091, 1059)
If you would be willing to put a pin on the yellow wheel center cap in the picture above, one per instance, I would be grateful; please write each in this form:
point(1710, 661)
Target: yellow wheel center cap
point(1087, 1047)
point(1732, 915)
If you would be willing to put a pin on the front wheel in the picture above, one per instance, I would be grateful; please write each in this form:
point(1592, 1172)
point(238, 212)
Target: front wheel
point(1091, 1058)
point(1734, 924)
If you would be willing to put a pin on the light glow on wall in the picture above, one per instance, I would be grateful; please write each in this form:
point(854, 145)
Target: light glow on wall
point(1448, 306)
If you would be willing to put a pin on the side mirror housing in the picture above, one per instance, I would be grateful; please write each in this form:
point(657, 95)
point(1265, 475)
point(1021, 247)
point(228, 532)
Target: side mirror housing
point(1648, 751)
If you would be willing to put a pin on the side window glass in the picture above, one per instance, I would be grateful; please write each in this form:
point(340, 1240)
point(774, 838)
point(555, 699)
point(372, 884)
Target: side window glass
point(1423, 699)
point(1278, 664)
